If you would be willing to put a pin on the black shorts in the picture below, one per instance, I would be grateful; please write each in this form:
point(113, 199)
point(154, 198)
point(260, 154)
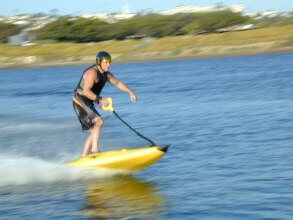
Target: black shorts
point(85, 111)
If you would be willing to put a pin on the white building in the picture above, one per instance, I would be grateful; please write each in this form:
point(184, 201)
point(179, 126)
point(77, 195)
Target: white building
point(267, 14)
point(28, 22)
point(112, 17)
point(21, 39)
point(196, 9)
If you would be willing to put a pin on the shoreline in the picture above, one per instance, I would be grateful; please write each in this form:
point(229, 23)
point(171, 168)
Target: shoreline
point(138, 58)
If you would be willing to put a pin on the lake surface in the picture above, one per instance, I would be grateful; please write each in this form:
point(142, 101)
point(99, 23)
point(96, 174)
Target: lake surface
point(229, 122)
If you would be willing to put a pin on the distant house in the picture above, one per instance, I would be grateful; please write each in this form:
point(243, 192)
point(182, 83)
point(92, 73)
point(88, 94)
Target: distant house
point(21, 39)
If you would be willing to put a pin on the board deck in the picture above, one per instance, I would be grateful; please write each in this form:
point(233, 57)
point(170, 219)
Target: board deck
point(123, 160)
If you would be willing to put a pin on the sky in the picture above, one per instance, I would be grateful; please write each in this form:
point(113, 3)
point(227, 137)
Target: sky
point(81, 7)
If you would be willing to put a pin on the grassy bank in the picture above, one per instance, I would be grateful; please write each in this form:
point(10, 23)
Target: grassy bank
point(265, 40)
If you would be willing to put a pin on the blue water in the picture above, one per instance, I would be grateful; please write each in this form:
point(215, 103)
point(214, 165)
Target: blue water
point(229, 121)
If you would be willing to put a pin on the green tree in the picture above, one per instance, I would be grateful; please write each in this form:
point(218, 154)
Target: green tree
point(87, 30)
point(151, 25)
point(57, 30)
point(214, 20)
point(77, 30)
point(274, 21)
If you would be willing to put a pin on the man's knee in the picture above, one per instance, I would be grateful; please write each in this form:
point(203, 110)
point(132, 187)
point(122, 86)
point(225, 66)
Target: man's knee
point(98, 121)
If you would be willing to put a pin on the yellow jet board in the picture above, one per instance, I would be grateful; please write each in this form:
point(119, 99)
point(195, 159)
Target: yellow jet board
point(127, 160)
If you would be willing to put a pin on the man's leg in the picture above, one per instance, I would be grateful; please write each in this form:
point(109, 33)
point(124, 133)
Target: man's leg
point(96, 133)
point(88, 144)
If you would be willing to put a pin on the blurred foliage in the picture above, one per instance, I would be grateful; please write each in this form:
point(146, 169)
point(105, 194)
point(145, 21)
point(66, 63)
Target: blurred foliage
point(210, 22)
point(277, 21)
point(84, 30)
point(7, 30)
point(78, 30)
point(150, 25)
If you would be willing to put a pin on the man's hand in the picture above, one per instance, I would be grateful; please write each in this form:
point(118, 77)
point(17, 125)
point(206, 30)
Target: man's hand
point(104, 102)
point(133, 97)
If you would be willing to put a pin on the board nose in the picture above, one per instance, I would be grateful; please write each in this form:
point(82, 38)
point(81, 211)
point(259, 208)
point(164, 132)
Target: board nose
point(164, 147)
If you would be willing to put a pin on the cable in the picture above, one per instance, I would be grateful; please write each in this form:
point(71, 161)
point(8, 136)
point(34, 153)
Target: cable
point(151, 142)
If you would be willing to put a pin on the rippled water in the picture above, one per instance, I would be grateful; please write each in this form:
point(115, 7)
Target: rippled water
point(229, 121)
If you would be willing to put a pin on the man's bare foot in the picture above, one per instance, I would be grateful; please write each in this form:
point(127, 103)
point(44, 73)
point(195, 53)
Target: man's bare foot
point(94, 152)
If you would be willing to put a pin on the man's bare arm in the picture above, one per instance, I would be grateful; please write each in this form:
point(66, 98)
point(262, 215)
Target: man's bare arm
point(120, 85)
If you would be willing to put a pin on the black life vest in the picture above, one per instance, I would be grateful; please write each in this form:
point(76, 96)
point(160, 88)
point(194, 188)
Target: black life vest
point(97, 87)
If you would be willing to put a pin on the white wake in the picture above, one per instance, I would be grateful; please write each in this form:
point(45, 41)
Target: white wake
point(28, 171)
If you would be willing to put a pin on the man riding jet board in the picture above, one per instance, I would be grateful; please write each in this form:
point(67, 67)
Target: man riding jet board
point(87, 93)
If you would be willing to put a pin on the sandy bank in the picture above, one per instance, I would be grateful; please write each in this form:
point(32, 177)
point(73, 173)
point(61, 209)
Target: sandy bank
point(199, 52)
